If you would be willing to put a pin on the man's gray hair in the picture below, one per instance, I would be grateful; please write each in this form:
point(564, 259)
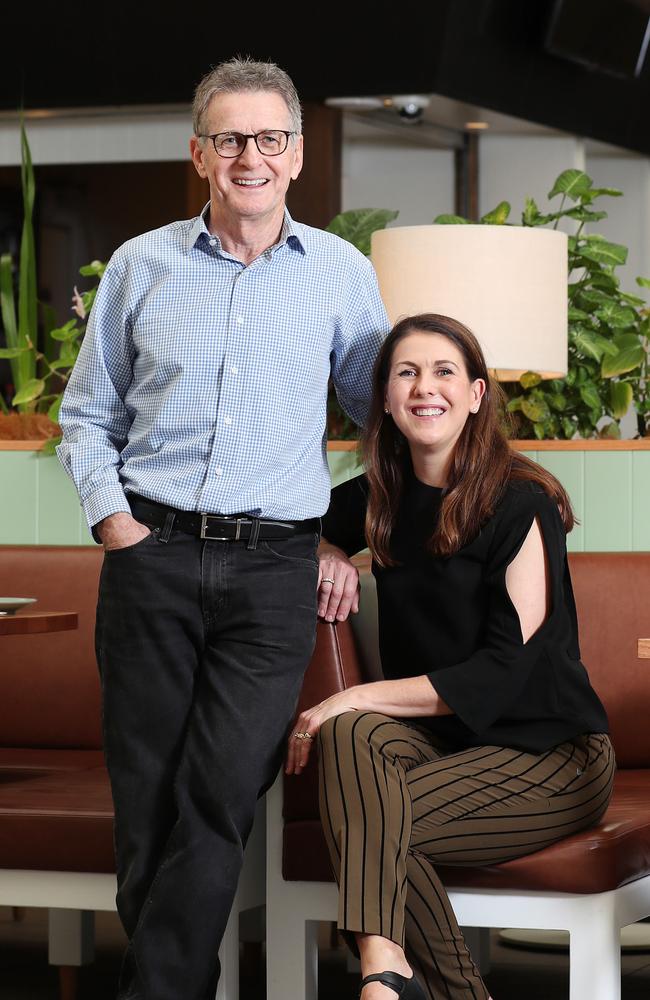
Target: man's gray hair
point(243, 74)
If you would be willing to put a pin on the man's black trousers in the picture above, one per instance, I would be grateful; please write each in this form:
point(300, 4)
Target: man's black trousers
point(202, 646)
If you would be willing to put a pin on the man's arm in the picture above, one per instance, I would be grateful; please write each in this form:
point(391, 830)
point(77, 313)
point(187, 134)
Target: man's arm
point(93, 416)
point(364, 325)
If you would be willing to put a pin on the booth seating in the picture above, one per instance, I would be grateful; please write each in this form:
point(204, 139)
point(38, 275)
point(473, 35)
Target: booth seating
point(56, 814)
point(590, 884)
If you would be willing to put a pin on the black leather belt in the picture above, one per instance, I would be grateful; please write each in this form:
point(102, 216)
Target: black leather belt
point(216, 527)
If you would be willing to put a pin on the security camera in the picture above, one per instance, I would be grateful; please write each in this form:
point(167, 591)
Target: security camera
point(410, 106)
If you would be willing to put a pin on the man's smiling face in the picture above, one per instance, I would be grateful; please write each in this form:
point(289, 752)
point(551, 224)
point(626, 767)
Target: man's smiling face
point(250, 186)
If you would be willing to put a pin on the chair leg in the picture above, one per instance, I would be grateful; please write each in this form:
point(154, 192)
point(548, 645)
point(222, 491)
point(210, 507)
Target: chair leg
point(228, 988)
point(68, 982)
point(595, 955)
point(71, 937)
point(477, 940)
point(291, 959)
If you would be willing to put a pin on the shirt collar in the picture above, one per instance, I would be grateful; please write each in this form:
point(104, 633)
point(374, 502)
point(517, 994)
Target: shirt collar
point(290, 234)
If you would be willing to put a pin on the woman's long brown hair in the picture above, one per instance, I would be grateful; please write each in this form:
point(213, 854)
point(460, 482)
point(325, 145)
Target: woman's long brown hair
point(482, 464)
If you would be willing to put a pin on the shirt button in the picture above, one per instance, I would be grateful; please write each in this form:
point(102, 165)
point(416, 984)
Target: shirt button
point(227, 420)
point(240, 320)
point(213, 243)
point(218, 471)
point(234, 370)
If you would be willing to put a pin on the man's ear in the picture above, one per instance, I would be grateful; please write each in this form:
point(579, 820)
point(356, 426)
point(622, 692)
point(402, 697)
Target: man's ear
point(197, 152)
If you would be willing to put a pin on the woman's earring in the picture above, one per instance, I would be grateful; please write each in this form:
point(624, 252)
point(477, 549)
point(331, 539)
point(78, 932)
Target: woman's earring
point(386, 410)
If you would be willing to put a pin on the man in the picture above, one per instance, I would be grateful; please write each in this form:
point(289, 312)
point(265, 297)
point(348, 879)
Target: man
point(200, 390)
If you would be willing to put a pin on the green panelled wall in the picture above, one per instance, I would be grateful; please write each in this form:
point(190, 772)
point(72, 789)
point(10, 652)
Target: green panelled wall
point(610, 491)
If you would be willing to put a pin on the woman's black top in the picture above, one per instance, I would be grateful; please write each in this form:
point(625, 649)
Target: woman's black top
point(452, 619)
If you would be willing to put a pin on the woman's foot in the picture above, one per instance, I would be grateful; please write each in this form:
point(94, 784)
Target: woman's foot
point(379, 954)
point(388, 982)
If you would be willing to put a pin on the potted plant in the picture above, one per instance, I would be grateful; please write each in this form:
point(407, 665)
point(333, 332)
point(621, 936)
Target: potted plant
point(39, 374)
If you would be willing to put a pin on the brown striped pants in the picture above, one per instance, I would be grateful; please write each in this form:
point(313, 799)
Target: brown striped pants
point(393, 805)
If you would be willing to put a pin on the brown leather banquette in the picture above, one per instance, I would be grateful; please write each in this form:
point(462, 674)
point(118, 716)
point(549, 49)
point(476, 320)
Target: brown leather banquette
point(55, 805)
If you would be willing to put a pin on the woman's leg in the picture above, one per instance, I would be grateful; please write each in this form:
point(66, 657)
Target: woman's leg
point(392, 804)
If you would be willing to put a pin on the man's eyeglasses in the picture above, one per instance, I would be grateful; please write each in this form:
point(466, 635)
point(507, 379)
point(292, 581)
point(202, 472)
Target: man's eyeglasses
point(270, 142)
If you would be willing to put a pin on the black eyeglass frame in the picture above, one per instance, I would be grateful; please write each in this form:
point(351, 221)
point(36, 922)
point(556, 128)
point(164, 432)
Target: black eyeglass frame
point(251, 135)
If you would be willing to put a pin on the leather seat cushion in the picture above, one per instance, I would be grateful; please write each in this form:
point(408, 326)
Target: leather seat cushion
point(608, 855)
point(56, 812)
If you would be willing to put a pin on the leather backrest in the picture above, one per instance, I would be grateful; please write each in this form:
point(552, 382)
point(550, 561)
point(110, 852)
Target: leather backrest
point(49, 687)
point(612, 591)
point(334, 667)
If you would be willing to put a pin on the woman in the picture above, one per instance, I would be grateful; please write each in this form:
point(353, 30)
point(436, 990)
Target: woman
point(485, 742)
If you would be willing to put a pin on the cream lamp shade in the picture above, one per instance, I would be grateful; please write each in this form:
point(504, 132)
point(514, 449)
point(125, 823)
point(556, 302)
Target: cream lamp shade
point(508, 284)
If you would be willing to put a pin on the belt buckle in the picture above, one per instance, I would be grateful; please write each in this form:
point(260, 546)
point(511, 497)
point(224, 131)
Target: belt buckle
point(205, 518)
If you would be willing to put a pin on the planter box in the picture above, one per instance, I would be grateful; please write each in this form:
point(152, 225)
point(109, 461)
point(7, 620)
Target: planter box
point(608, 481)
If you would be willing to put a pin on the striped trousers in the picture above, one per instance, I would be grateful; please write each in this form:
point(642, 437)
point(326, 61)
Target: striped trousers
point(393, 805)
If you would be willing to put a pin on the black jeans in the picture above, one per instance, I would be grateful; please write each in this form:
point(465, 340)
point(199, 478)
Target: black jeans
point(202, 646)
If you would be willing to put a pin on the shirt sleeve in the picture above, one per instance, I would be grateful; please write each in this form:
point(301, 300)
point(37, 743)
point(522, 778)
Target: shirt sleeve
point(363, 325)
point(93, 416)
point(344, 522)
point(481, 689)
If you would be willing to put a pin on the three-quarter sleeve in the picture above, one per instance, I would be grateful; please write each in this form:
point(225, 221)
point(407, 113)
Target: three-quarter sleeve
point(486, 686)
point(344, 522)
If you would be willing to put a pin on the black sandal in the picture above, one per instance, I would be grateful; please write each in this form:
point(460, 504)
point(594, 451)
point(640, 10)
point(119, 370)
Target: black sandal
point(406, 989)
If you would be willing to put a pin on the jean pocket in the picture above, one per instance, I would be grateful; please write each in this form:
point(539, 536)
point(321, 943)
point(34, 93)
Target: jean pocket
point(140, 544)
point(298, 548)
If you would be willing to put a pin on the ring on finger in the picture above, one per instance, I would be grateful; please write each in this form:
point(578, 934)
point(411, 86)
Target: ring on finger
point(327, 579)
point(303, 736)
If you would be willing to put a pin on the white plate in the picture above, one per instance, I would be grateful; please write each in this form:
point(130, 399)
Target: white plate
point(9, 605)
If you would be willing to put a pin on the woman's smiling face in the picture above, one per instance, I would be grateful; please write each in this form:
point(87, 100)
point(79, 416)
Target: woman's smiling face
point(429, 393)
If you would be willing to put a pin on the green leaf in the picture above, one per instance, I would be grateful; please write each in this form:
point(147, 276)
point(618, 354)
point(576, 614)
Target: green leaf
point(557, 401)
point(643, 282)
point(572, 183)
point(531, 212)
point(620, 398)
point(617, 317)
point(535, 409)
point(12, 352)
point(611, 192)
point(530, 379)
point(577, 315)
point(451, 220)
point(69, 331)
point(96, 268)
point(514, 405)
point(30, 390)
point(53, 411)
point(568, 427)
point(585, 342)
point(625, 361)
point(357, 225)
point(539, 430)
point(624, 340)
point(602, 252)
point(582, 214)
point(634, 300)
point(498, 216)
point(589, 395)
point(610, 430)
point(602, 279)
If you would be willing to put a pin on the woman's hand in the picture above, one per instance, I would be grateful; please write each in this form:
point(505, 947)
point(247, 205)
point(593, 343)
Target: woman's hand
point(307, 725)
point(338, 584)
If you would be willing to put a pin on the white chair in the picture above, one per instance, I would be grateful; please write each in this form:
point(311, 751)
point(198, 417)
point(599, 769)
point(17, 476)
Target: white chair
point(73, 897)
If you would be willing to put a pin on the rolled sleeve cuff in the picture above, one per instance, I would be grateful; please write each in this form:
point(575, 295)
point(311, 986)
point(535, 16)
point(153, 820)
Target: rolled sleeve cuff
point(104, 502)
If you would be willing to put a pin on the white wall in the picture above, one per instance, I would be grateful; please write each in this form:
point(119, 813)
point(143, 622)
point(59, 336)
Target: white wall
point(415, 180)
point(100, 137)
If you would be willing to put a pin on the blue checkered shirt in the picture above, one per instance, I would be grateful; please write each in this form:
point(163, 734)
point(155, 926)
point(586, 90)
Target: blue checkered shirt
point(202, 383)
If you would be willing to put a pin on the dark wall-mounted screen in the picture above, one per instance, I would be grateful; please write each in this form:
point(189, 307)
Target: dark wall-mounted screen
point(608, 35)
